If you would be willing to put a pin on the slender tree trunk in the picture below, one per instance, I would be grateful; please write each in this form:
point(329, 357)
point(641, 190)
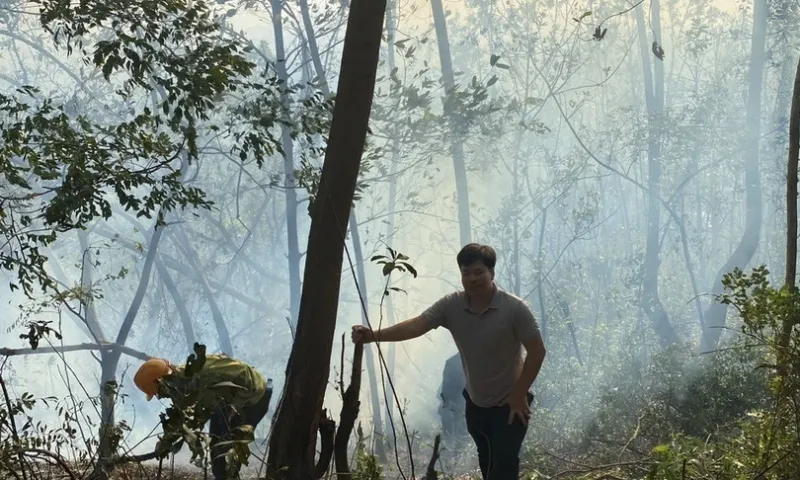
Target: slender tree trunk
point(791, 218)
point(105, 448)
point(313, 49)
point(543, 317)
point(780, 126)
point(699, 193)
point(109, 436)
point(654, 99)
point(516, 173)
point(288, 166)
point(378, 440)
point(456, 140)
point(108, 440)
point(294, 433)
point(716, 314)
point(391, 33)
point(141, 289)
point(89, 312)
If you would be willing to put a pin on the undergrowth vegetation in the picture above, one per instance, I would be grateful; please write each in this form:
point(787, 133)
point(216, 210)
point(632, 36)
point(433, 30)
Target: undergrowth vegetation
point(730, 414)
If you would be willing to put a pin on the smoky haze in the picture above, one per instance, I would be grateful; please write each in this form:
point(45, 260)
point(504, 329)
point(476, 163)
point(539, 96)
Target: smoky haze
point(620, 159)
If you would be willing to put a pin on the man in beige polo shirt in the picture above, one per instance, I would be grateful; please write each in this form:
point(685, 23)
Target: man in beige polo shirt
point(490, 327)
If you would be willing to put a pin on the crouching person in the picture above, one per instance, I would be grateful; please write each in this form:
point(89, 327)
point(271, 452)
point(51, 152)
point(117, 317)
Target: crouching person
point(230, 394)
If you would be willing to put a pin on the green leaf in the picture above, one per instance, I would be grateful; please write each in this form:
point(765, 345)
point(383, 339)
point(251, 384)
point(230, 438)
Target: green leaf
point(411, 269)
point(387, 269)
point(661, 449)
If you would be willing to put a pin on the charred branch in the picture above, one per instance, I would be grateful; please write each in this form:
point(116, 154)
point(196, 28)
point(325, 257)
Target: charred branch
point(430, 473)
point(327, 430)
point(347, 419)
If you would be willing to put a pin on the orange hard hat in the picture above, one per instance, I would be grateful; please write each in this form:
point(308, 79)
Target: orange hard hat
point(149, 374)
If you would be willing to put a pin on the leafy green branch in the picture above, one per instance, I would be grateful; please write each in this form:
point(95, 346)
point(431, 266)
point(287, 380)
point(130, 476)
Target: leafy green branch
point(61, 172)
point(395, 261)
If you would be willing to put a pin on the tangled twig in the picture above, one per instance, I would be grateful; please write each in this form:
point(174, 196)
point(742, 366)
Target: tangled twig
point(54, 456)
point(13, 424)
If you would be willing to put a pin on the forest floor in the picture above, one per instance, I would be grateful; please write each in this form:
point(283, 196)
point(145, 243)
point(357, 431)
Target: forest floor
point(150, 471)
point(131, 471)
point(189, 472)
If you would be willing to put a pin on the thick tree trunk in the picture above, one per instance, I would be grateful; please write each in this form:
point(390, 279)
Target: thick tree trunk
point(293, 440)
point(371, 364)
point(716, 314)
point(456, 142)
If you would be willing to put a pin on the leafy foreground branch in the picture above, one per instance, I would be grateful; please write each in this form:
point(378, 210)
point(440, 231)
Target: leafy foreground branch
point(60, 170)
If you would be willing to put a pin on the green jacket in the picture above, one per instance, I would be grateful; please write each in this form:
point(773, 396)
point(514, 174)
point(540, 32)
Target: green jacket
point(221, 383)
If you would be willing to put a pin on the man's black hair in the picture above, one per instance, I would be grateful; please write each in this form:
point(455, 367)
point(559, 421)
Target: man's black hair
point(475, 252)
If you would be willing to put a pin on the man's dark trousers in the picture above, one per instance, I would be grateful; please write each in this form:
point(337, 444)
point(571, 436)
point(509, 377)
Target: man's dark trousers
point(220, 430)
point(498, 442)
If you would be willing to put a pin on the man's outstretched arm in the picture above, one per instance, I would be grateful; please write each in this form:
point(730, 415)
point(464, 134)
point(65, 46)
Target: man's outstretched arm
point(406, 330)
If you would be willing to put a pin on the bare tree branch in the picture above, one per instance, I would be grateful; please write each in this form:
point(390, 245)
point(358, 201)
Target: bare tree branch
point(54, 456)
point(81, 347)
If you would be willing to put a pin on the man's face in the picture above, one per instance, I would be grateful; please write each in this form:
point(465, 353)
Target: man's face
point(477, 278)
